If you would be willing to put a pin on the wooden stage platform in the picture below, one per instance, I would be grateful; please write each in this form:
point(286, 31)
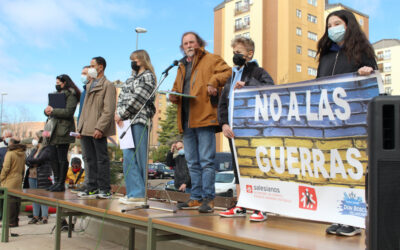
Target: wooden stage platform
point(231, 233)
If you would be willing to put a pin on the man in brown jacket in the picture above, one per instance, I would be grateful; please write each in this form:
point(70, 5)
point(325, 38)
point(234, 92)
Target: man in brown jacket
point(95, 124)
point(200, 74)
point(12, 175)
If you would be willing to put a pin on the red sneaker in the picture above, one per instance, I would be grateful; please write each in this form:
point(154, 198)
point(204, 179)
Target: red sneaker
point(258, 216)
point(234, 212)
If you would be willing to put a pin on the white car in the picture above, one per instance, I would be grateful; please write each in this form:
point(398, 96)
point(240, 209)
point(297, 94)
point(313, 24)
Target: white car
point(225, 184)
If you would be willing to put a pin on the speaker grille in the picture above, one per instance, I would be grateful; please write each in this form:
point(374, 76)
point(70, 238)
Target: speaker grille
point(388, 203)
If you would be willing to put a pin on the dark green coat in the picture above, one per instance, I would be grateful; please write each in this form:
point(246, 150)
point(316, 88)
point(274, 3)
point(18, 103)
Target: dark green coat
point(64, 119)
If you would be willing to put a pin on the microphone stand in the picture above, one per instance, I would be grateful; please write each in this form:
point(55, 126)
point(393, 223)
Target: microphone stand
point(146, 206)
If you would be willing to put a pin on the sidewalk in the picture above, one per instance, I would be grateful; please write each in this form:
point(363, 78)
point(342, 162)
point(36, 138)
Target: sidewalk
point(41, 237)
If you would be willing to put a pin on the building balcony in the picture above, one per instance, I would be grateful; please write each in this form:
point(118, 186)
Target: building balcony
point(242, 26)
point(242, 9)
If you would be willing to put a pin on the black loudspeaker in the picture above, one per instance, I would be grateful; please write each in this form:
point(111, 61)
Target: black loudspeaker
point(383, 182)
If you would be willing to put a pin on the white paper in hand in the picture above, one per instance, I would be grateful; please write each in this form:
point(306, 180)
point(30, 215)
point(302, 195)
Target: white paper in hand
point(127, 141)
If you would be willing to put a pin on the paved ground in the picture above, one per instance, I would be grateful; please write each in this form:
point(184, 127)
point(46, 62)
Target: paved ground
point(42, 237)
point(158, 183)
point(38, 237)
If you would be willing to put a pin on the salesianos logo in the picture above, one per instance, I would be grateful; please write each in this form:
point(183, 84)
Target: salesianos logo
point(353, 205)
point(249, 189)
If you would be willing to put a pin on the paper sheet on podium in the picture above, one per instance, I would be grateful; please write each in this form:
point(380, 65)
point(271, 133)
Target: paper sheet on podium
point(175, 93)
point(127, 141)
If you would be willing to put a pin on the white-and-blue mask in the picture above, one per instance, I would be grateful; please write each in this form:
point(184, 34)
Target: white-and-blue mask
point(84, 79)
point(336, 34)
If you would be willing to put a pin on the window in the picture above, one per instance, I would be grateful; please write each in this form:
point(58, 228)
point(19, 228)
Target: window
point(387, 67)
point(380, 55)
point(238, 24)
point(311, 18)
point(312, 36)
point(312, 53)
point(246, 21)
point(312, 71)
point(238, 4)
point(298, 31)
point(388, 90)
point(388, 79)
point(298, 49)
point(361, 21)
point(298, 13)
point(387, 54)
point(298, 67)
point(312, 2)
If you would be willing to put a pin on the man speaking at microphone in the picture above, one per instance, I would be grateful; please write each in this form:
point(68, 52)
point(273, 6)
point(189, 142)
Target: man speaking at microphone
point(200, 74)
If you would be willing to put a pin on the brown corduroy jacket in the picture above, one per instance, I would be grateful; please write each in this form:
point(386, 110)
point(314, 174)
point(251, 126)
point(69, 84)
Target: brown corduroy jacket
point(207, 70)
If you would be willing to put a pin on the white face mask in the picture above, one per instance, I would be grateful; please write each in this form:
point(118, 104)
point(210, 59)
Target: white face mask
point(7, 140)
point(92, 72)
point(84, 79)
point(35, 142)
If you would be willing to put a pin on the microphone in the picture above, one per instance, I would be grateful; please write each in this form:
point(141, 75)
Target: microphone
point(175, 63)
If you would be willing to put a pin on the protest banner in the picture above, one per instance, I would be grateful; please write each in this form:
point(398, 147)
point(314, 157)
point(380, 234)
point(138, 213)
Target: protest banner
point(302, 148)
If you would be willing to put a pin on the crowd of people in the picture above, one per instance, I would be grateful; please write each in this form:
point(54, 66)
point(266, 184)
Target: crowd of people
point(343, 48)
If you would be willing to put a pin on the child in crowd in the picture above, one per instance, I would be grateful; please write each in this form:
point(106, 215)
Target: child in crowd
point(246, 72)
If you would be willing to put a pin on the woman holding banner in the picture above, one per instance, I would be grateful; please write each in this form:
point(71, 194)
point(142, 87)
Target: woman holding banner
point(344, 48)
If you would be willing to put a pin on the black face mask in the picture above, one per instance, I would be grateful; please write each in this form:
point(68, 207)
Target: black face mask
point(134, 66)
point(239, 60)
point(58, 88)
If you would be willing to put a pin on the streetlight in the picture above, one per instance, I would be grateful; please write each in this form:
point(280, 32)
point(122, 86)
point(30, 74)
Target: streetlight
point(1, 113)
point(139, 30)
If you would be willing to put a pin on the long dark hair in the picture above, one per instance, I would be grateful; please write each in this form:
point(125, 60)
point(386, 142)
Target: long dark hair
point(355, 43)
point(69, 84)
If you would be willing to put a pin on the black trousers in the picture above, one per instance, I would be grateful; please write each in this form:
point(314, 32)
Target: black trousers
point(60, 162)
point(15, 204)
point(98, 162)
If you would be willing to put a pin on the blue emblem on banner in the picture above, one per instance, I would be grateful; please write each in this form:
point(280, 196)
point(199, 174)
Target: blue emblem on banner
point(353, 205)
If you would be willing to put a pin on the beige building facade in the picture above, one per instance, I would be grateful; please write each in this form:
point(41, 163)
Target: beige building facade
point(161, 104)
point(388, 58)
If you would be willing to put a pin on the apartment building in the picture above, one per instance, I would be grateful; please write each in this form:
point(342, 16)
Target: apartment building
point(388, 58)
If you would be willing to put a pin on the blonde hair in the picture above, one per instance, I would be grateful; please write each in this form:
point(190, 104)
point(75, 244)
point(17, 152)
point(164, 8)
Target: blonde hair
point(246, 42)
point(144, 58)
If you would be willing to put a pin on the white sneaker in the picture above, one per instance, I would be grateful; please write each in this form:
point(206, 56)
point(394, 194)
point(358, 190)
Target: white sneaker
point(123, 199)
point(133, 201)
point(258, 216)
point(89, 194)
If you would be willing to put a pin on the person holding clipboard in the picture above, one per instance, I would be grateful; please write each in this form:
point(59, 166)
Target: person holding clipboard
point(60, 111)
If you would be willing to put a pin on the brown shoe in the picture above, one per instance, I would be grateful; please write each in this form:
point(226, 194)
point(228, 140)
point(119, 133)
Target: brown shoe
point(190, 204)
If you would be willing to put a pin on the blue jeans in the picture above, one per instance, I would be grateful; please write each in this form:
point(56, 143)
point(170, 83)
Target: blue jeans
point(200, 146)
point(36, 206)
point(134, 166)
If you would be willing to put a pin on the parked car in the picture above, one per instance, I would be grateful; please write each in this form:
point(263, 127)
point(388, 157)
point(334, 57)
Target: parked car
point(223, 161)
point(159, 170)
point(170, 186)
point(224, 184)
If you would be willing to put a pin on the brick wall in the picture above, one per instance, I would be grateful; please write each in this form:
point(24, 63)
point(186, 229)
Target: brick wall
point(323, 134)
